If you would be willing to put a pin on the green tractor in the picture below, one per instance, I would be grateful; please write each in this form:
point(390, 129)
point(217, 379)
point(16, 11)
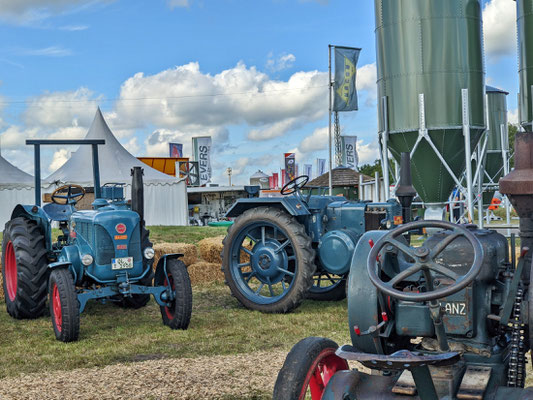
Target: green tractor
point(104, 253)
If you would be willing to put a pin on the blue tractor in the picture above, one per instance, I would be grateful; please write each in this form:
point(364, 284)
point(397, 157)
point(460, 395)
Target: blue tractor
point(104, 253)
point(280, 251)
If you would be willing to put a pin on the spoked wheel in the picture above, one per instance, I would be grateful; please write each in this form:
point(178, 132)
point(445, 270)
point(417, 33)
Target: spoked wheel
point(268, 260)
point(64, 306)
point(307, 370)
point(177, 315)
point(328, 287)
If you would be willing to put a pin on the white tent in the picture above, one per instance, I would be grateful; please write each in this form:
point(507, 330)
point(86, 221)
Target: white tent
point(165, 197)
point(16, 187)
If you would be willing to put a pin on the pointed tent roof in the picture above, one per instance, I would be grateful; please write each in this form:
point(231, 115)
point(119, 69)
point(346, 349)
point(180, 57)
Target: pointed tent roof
point(115, 161)
point(12, 176)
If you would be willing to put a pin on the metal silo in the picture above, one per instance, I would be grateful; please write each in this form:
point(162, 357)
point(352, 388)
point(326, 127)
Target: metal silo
point(497, 141)
point(525, 55)
point(428, 51)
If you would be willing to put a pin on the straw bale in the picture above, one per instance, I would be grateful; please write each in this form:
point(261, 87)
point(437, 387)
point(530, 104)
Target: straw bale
point(189, 251)
point(209, 249)
point(202, 272)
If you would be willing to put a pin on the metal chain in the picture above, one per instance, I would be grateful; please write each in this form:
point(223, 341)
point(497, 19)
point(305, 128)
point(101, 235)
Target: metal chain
point(517, 364)
point(337, 137)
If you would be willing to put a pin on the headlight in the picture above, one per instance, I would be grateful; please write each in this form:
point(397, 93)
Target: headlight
point(149, 253)
point(87, 259)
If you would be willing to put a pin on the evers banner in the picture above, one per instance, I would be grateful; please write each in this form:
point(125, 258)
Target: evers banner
point(176, 150)
point(202, 153)
point(344, 90)
point(350, 158)
point(290, 166)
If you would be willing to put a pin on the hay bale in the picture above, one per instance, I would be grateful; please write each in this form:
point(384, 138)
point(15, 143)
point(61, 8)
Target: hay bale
point(189, 251)
point(209, 249)
point(202, 272)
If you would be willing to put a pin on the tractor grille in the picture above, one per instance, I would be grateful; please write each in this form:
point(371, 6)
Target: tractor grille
point(134, 247)
point(86, 231)
point(373, 219)
point(104, 247)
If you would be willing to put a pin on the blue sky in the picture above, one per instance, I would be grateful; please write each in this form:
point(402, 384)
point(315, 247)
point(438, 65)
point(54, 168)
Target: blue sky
point(250, 73)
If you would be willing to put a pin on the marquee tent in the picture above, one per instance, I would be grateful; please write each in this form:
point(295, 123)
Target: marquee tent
point(165, 197)
point(16, 187)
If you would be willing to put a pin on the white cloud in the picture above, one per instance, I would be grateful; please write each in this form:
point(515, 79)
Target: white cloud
point(512, 116)
point(132, 146)
point(60, 157)
point(280, 63)
point(317, 141)
point(499, 24)
point(157, 142)
point(15, 136)
point(51, 51)
point(367, 152)
point(178, 3)
point(26, 11)
point(73, 28)
point(367, 77)
point(185, 97)
point(274, 130)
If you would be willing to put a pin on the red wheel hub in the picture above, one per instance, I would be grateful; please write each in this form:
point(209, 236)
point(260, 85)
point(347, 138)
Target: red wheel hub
point(56, 306)
point(324, 367)
point(170, 310)
point(11, 271)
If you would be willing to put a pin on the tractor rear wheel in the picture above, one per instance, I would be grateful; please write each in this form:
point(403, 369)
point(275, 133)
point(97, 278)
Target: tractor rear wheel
point(328, 287)
point(24, 268)
point(64, 305)
point(140, 300)
point(307, 369)
point(178, 314)
point(268, 260)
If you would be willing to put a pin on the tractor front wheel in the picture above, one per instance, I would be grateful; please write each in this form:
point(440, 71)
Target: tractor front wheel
point(307, 369)
point(268, 260)
point(177, 315)
point(64, 305)
point(24, 268)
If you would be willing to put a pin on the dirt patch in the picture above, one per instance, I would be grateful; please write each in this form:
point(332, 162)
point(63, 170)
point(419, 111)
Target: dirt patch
point(243, 376)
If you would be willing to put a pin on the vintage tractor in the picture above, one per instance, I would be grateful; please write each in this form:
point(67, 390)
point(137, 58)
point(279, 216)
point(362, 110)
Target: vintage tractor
point(104, 253)
point(281, 250)
point(449, 318)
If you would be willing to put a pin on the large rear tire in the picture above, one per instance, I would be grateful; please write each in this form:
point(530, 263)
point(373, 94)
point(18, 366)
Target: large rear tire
point(64, 305)
point(141, 300)
point(24, 268)
point(178, 314)
point(327, 287)
point(307, 369)
point(268, 260)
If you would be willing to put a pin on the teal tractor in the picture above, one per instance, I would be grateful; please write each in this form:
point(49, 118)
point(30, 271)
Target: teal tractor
point(100, 254)
point(280, 251)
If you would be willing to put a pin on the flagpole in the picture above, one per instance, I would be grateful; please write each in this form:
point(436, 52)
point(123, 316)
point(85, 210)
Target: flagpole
point(329, 127)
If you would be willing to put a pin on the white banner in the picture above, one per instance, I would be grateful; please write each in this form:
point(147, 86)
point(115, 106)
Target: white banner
point(350, 158)
point(202, 153)
point(321, 166)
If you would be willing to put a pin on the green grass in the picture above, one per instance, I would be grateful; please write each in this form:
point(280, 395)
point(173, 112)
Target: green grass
point(110, 334)
point(184, 234)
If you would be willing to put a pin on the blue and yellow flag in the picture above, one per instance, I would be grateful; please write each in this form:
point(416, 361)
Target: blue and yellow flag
point(345, 93)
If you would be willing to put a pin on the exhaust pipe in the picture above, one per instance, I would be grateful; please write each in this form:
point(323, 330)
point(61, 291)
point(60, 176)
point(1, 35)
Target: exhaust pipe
point(137, 192)
point(406, 192)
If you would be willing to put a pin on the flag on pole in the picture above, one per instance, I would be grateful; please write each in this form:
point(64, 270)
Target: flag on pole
point(308, 168)
point(202, 153)
point(290, 166)
point(345, 93)
point(321, 166)
point(176, 150)
point(350, 158)
point(276, 180)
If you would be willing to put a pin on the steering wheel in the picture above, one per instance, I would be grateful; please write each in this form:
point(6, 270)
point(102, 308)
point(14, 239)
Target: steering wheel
point(69, 197)
point(424, 260)
point(294, 185)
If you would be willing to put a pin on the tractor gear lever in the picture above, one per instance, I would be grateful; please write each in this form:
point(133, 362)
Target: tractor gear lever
point(424, 261)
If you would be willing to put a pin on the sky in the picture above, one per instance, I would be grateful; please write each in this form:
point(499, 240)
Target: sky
point(250, 73)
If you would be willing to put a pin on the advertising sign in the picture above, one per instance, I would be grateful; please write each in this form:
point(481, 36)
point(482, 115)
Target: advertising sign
point(290, 166)
point(202, 154)
point(176, 150)
point(350, 158)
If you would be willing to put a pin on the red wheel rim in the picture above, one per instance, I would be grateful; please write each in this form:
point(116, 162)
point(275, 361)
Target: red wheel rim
point(56, 306)
point(170, 310)
point(324, 367)
point(11, 271)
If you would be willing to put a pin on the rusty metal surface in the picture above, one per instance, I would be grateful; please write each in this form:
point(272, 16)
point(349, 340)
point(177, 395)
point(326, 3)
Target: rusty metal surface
point(474, 383)
point(520, 180)
point(405, 384)
point(403, 359)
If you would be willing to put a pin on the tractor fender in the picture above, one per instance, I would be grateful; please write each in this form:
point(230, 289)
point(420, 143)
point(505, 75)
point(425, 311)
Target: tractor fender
point(70, 257)
point(38, 215)
point(291, 204)
point(342, 386)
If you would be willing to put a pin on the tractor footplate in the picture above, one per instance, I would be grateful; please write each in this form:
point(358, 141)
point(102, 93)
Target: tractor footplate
point(474, 383)
point(403, 359)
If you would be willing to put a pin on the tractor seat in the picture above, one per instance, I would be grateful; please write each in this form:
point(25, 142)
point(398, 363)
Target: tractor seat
point(403, 359)
point(58, 212)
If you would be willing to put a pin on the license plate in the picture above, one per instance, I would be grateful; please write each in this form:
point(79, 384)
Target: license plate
point(122, 263)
